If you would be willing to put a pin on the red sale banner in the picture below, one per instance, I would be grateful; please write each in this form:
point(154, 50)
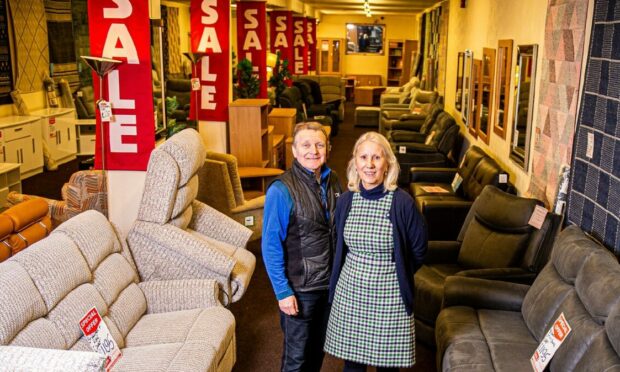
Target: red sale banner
point(311, 38)
point(300, 46)
point(252, 39)
point(281, 34)
point(210, 37)
point(120, 29)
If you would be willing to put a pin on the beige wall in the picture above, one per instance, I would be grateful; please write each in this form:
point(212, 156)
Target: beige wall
point(480, 25)
point(396, 27)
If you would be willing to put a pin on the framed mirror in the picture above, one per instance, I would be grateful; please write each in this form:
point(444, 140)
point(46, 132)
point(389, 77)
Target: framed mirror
point(474, 97)
point(502, 87)
point(525, 81)
point(458, 96)
point(468, 57)
point(365, 38)
point(485, 94)
point(157, 65)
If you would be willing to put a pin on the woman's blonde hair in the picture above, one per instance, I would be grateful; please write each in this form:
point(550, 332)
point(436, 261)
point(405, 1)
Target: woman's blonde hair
point(390, 182)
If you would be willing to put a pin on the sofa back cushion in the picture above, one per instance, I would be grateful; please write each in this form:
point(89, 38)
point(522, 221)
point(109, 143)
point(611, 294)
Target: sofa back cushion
point(496, 231)
point(485, 173)
point(430, 118)
point(582, 280)
point(470, 160)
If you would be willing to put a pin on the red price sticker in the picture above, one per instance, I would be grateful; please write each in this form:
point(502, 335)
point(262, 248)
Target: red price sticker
point(100, 338)
point(52, 120)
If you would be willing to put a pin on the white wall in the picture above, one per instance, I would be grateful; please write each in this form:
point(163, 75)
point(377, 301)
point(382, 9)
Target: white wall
point(481, 24)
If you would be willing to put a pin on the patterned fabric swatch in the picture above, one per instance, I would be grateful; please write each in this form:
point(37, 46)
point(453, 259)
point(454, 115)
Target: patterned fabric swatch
point(63, 62)
point(6, 78)
point(594, 197)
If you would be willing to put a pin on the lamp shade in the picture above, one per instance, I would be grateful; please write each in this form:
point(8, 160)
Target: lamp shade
point(271, 59)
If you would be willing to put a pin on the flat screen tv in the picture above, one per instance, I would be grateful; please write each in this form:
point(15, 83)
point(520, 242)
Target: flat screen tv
point(365, 38)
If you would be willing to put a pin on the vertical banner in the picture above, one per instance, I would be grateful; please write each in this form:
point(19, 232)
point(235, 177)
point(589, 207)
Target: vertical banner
point(120, 29)
point(252, 39)
point(210, 37)
point(281, 35)
point(300, 46)
point(311, 38)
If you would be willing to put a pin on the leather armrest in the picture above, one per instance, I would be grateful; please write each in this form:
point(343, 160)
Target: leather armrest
point(413, 147)
point(412, 125)
point(442, 252)
point(413, 116)
point(507, 274)
point(436, 175)
point(482, 293)
point(405, 136)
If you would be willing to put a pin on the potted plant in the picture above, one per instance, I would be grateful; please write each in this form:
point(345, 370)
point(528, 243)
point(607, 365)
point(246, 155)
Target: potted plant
point(248, 84)
point(280, 76)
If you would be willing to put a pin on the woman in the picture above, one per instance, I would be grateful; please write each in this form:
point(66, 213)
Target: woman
point(381, 242)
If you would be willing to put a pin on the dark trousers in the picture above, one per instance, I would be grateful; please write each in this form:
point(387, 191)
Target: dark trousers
point(350, 366)
point(304, 334)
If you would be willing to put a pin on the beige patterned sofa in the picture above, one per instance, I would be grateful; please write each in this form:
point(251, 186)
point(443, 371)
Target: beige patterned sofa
point(175, 325)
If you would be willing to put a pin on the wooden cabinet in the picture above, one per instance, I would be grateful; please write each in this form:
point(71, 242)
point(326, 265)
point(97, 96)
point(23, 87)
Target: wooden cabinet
point(20, 142)
point(366, 80)
point(400, 54)
point(58, 130)
point(330, 56)
point(86, 136)
point(10, 180)
point(249, 133)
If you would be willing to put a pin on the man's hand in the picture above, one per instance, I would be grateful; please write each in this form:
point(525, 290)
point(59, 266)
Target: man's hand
point(288, 305)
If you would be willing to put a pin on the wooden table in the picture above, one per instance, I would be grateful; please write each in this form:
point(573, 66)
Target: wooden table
point(367, 95)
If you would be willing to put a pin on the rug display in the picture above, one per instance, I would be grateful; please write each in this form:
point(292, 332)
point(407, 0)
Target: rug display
point(172, 42)
point(61, 45)
point(561, 71)
point(79, 10)
point(594, 196)
point(30, 35)
point(6, 77)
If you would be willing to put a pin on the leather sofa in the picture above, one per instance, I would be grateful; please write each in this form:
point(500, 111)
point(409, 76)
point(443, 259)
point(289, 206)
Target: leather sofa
point(291, 97)
point(411, 122)
point(420, 103)
point(496, 242)
point(23, 225)
point(445, 211)
point(332, 89)
point(158, 325)
point(313, 102)
point(497, 326)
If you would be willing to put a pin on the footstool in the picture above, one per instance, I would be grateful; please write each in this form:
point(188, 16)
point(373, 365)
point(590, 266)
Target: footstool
point(367, 116)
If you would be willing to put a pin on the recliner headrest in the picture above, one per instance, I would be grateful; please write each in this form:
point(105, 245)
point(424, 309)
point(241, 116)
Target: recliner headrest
point(490, 209)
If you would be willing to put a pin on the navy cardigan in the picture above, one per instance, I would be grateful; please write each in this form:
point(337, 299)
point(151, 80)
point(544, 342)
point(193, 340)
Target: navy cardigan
point(409, 233)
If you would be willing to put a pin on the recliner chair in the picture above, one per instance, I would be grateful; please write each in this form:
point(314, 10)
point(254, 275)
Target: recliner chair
point(496, 242)
point(182, 90)
point(291, 98)
point(411, 127)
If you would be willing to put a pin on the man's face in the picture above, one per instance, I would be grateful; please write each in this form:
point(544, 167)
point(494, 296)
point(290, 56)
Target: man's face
point(310, 149)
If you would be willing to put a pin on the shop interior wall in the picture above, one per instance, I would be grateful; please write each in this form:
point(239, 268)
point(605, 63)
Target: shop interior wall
point(396, 27)
point(481, 24)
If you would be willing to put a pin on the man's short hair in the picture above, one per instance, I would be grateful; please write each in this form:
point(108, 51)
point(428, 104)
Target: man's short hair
point(309, 125)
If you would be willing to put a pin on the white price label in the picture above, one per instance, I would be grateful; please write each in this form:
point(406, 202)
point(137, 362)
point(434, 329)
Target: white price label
point(195, 84)
point(99, 337)
point(456, 182)
point(105, 110)
point(503, 178)
point(590, 146)
point(402, 149)
point(538, 217)
point(550, 343)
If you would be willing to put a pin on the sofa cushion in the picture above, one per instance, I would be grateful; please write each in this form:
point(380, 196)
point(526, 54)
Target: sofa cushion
point(184, 196)
point(180, 356)
point(40, 333)
point(128, 309)
point(112, 276)
point(429, 281)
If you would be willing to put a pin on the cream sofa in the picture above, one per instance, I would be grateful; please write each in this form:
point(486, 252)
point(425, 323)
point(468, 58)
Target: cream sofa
point(159, 325)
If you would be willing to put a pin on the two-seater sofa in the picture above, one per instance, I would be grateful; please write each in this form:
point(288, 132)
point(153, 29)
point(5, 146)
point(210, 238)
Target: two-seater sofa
point(496, 326)
point(175, 325)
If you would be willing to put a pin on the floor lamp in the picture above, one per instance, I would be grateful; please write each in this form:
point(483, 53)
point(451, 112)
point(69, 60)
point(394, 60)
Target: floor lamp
point(101, 66)
point(195, 58)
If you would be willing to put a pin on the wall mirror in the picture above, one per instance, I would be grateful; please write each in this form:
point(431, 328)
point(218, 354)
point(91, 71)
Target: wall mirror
point(365, 38)
point(502, 87)
point(485, 94)
point(525, 79)
point(474, 101)
point(157, 64)
point(459, 82)
point(468, 57)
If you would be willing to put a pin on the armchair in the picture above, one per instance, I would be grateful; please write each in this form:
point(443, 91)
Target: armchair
point(445, 211)
point(400, 94)
point(178, 237)
point(496, 242)
point(85, 102)
point(420, 102)
point(399, 129)
point(221, 189)
point(291, 97)
point(182, 90)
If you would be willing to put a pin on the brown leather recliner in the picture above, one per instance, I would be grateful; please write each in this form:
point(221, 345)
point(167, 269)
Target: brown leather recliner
point(23, 225)
point(496, 243)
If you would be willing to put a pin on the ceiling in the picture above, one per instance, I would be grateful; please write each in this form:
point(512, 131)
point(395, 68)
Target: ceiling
point(377, 7)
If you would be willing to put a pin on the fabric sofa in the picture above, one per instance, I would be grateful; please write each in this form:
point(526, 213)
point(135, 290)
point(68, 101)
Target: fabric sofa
point(158, 325)
point(496, 326)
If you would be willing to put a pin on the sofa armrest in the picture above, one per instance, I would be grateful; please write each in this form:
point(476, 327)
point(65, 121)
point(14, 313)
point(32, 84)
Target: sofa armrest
point(432, 174)
point(215, 224)
point(396, 106)
point(175, 295)
point(506, 274)
point(482, 293)
point(442, 252)
point(250, 205)
point(410, 125)
point(413, 116)
point(17, 358)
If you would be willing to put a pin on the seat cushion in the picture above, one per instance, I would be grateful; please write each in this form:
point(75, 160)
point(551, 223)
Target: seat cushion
point(179, 356)
point(429, 283)
point(421, 189)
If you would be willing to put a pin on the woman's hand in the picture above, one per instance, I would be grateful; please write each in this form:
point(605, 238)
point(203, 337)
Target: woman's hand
point(288, 305)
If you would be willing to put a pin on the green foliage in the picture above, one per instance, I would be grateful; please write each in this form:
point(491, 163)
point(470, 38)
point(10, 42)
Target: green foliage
point(280, 75)
point(248, 84)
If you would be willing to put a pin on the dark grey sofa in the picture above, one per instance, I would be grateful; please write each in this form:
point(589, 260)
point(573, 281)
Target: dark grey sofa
point(496, 326)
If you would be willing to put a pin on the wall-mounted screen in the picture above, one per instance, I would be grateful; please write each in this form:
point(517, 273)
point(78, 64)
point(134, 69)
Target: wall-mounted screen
point(365, 38)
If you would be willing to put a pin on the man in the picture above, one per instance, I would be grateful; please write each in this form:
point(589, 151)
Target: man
point(297, 246)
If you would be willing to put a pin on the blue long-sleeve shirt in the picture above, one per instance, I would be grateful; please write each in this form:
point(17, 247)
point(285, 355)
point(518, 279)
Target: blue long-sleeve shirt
point(276, 216)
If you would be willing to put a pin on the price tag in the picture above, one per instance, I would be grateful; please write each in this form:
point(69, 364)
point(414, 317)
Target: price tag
point(99, 337)
point(503, 178)
point(456, 182)
point(590, 146)
point(105, 110)
point(538, 217)
point(402, 149)
point(52, 120)
point(79, 93)
point(550, 343)
point(195, 83)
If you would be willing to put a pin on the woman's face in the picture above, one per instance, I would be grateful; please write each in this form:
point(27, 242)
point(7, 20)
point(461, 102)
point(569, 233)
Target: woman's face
point(371, 164)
